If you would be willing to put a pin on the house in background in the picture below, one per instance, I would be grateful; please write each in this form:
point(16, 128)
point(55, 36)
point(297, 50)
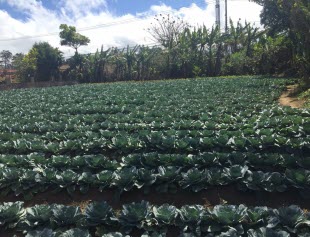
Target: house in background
point(7, 75)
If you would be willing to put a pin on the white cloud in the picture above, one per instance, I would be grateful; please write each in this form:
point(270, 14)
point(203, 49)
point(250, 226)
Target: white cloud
point(80, 8)
point(245, 11)
point(128, 29)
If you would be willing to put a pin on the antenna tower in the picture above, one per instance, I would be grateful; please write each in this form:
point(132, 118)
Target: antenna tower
point(218, 13)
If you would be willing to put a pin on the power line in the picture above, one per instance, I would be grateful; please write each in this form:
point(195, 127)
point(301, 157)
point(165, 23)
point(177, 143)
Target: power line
point(138, 17)
point(126, 21)
point(78, 30)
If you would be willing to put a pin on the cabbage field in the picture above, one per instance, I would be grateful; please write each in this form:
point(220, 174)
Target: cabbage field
point(203, 157)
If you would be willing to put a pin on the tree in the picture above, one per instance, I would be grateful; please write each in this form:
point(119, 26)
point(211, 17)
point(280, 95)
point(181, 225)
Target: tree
point(71, 38)
point(274, 16)
point(41, 63)
point(48, 61)
point(300, 22)
point(28, 66)
point(292, 19)
point(6, 57)
point(167, 31)
point(17, 60)
point(146, 62)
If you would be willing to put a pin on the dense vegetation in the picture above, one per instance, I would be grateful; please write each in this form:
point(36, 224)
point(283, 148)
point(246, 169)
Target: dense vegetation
point(221, 220)
point(173, 137)
point(183, 51)
point(159, 137)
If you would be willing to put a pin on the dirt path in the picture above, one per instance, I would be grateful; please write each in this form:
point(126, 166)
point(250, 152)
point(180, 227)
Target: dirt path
point(287, 99)
point(213, 196)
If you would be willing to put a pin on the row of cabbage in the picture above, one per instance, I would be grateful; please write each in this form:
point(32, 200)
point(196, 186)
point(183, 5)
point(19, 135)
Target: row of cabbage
point(156, 141)
point(135, 120)
point(195, 219)
point(151, 160)
point(163, 179)
point(184, 129)
point(77, 232)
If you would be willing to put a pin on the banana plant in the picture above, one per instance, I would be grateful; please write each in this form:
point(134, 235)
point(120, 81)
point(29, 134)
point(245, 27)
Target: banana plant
point(131, 58)
point(101, 61)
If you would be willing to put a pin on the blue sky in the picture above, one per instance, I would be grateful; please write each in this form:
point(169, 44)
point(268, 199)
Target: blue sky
point(119, 22)
point(121, 7)
point(117, 7)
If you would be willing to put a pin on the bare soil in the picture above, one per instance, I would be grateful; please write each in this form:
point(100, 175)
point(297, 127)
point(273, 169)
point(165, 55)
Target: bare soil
point(289, 99)
point(208, 198)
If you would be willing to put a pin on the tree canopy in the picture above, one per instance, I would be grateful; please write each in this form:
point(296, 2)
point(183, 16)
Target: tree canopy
point(48, 60)
point(291, 18)
point(71, 38)
point(40, 63)
point(6, 57)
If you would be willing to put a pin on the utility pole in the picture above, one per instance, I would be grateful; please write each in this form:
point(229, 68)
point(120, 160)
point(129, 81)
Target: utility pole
point(226, 17)
point(218, 13)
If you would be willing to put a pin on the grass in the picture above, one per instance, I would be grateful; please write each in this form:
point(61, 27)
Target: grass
point(305, 95)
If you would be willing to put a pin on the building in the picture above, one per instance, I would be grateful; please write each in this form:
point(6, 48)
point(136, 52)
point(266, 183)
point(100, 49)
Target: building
point(7, 75)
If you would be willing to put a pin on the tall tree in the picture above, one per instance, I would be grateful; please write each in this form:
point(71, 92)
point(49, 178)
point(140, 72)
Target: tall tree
point(48, 61)
point(28, 66)
point(291, 18)
point(6, 57)
point(71, 38)
point(167, 31)
point(17, 60)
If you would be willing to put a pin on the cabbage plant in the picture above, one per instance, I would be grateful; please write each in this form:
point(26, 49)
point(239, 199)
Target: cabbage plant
point(98, 213)
point(194, 179)
point(267, 232)
point(41, 233)
point(134, 215)
point(38, 216)
point(190, 217)
point(66, 216)
point(11, 213)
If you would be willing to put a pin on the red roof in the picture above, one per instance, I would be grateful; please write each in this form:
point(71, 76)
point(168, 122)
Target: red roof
point(8, 70)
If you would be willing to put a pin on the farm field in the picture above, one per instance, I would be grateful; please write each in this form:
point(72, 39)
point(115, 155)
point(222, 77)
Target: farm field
point(203, 157)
